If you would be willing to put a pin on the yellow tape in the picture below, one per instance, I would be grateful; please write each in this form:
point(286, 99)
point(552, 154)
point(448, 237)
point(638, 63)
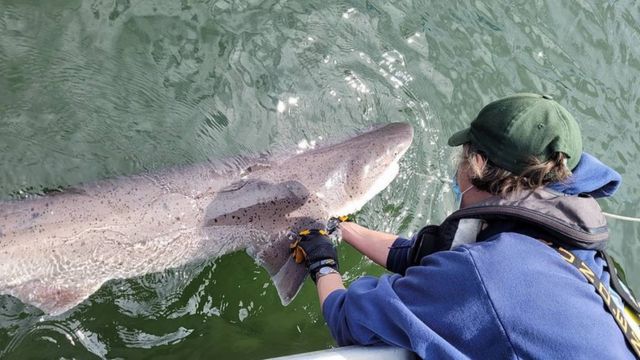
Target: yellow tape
point(306, 232)
point(632, 316)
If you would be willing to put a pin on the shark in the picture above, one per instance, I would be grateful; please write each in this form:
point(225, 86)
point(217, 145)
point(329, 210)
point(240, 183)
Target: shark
point(58, 249)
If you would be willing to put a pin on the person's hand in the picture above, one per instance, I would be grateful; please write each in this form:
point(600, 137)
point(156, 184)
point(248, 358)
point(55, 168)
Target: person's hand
point(316, 250)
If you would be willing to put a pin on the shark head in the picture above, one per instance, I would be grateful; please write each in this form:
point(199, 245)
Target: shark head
point(303, 191)
point(342, 177)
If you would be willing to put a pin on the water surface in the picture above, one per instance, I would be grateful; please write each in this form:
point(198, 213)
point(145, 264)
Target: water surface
point(96, 89)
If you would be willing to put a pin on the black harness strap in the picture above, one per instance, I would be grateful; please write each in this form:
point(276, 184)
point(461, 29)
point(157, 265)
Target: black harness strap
point(624, 292)
point(629, 333)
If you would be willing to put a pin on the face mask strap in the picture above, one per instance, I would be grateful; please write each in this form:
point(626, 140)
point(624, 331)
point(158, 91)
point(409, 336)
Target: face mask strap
point(457, 192)
point(464, 192)
point(459, 202)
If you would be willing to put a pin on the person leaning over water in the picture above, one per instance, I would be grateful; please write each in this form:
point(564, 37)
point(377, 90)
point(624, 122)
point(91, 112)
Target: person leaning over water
point(494, 279)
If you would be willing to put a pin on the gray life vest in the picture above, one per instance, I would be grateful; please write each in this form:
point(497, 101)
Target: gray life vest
point(572, 221)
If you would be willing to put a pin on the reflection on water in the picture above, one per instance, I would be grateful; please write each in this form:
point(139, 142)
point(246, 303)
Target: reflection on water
point(93, 89)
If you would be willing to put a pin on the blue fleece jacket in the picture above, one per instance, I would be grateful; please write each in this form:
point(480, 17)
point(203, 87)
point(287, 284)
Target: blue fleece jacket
point(506, 296)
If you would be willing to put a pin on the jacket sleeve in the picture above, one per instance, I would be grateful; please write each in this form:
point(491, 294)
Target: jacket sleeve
point(398, 257)
point(432, 310)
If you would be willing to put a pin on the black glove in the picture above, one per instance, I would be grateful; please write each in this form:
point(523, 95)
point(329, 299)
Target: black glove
point(316, 250)
point(333, 222)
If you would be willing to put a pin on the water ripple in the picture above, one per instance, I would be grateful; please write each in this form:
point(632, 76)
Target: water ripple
point(91, 89)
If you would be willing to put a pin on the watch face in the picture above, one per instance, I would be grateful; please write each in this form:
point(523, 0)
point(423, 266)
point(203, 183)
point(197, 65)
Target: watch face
point(326, 270)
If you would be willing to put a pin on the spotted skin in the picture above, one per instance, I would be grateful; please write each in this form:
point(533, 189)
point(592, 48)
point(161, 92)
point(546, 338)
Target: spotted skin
point(58, 249)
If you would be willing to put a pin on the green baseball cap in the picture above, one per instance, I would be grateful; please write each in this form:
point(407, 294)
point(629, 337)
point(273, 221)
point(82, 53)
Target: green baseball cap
point(511, 130)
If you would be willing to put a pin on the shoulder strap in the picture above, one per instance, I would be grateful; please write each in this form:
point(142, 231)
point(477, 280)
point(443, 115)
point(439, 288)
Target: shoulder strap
point(428, 240)
point(624, 292)
point(633, 338)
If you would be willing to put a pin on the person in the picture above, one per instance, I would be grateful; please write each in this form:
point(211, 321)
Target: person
point(506, 276)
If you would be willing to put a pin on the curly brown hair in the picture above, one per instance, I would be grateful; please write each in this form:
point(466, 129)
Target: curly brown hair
point(497, 181)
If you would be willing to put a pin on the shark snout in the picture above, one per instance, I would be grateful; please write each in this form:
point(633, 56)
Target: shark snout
point(384, 146)
point(398, 136)
point(402, 132)
point(401, 129)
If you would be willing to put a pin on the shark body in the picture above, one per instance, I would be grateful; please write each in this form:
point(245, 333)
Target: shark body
point(58, 249)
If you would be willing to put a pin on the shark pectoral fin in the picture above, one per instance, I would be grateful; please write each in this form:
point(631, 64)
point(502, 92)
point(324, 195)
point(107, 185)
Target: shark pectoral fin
point(252, 201)
point(52, 298)
point(287, 276)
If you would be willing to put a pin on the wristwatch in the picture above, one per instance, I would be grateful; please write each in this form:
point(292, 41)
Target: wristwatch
point(325, 270)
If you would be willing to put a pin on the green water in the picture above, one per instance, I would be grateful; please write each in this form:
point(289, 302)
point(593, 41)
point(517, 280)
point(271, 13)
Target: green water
point(95, 89)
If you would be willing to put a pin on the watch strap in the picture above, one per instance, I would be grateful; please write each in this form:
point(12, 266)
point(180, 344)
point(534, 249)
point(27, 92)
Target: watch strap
point(316, 266)
point(321, 272)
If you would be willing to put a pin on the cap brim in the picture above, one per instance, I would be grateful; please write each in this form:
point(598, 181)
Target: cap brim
point(459, 138)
